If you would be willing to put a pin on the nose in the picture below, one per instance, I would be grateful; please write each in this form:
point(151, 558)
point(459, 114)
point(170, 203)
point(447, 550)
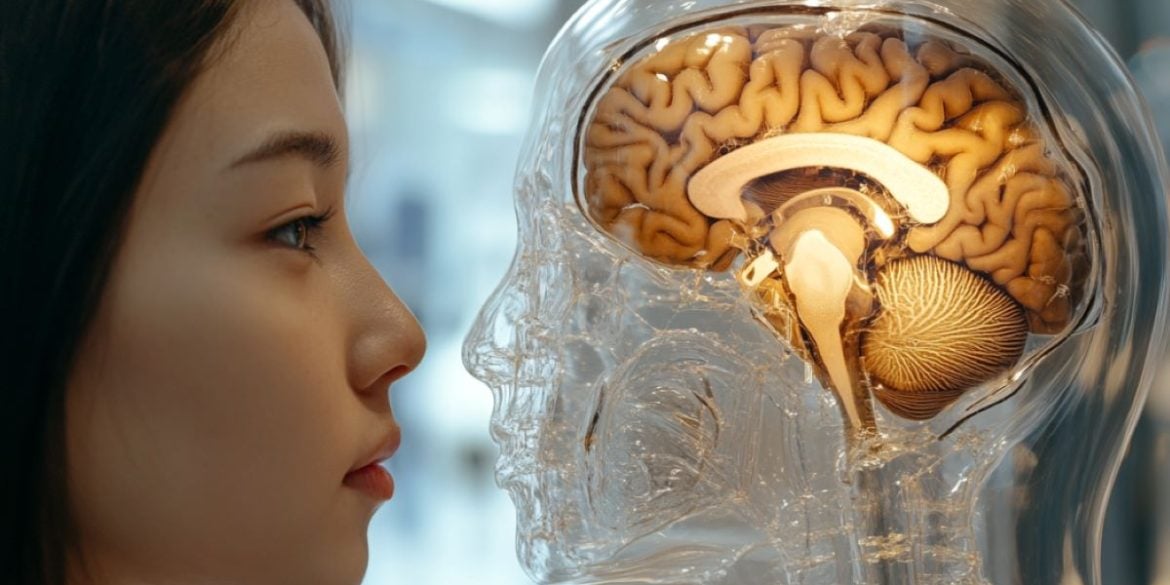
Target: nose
point(490, 348)
point(387, 341)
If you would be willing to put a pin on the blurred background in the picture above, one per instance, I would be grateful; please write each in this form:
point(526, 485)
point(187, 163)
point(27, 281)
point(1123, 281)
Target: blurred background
point(438, 96)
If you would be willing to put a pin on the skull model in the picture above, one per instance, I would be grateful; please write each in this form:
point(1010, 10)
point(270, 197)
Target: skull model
point(797, 281)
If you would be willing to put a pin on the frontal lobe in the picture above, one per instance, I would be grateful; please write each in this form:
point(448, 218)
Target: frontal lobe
point(724, 143)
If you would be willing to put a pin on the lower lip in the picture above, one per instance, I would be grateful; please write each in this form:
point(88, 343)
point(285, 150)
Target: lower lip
point(372, 480)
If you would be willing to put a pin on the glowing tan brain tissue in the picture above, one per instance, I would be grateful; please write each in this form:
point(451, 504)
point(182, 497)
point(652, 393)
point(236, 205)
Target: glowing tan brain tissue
point(899, 217)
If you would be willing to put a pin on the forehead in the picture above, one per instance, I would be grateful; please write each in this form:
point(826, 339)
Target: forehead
point(269, 73)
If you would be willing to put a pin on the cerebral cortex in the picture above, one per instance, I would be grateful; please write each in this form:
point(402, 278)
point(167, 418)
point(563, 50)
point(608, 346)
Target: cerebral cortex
point(890, 166)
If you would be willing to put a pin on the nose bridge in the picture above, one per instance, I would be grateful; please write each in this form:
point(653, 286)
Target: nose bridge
point(387, 340)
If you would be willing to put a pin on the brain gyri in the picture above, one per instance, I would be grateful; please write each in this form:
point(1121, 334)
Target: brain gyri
point(891, 206)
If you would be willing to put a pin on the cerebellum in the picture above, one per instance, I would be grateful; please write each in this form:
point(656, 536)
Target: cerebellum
point(941, 329)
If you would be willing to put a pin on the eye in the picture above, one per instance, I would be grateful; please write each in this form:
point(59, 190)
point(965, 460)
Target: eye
point(299, 233)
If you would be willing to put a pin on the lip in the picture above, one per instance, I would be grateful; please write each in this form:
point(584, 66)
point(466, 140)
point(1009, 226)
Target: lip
point(372, 480)
point(383, 450)
point(369, 476)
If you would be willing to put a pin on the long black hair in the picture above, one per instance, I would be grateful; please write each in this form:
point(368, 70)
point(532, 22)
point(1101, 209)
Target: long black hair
point(86, 88)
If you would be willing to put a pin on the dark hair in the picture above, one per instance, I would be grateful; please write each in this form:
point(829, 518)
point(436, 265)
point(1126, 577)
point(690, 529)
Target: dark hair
point(86, 88)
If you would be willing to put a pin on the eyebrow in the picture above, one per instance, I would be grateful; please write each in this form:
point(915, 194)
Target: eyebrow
point(319, 148)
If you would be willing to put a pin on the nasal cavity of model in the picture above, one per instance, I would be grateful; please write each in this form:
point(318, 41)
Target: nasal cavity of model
point(874, 318)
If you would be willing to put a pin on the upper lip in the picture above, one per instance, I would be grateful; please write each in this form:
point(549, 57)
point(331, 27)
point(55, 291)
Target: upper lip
point(383, 449)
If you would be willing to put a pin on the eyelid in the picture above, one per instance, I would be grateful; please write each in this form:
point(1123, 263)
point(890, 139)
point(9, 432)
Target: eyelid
point(313, 222)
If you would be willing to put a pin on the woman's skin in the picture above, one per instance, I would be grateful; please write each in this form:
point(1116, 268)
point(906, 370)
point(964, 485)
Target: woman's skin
point(231, 378)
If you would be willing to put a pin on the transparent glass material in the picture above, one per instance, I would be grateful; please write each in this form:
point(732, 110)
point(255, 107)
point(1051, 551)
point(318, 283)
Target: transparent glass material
point(825, 292)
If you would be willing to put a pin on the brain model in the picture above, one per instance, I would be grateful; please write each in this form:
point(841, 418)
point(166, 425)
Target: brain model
point(900, 219)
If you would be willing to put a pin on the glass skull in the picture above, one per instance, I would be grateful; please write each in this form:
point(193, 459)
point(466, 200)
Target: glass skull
point(804, 291)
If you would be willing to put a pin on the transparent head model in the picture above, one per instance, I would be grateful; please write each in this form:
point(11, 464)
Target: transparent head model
point(824, 292)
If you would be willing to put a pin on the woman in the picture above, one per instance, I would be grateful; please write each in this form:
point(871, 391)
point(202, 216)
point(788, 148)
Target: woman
point(197, 355)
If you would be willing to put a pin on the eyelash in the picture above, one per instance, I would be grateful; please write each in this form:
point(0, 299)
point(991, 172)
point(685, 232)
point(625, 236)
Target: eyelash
point(309, 223)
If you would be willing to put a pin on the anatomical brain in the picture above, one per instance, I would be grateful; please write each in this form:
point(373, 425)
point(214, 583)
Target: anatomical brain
point(891, 205)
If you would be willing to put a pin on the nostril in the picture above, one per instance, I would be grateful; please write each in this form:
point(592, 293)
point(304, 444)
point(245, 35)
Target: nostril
point(396, 373)
point(389, 377)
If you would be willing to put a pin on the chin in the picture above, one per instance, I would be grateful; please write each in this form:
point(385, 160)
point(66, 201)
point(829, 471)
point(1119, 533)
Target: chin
point(351, 563)
point(339, 557)
point(343, 567)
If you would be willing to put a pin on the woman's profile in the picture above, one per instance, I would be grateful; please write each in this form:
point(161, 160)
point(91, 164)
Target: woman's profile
point(196, 356)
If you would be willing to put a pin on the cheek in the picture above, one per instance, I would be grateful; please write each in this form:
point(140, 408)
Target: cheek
point(212, 413)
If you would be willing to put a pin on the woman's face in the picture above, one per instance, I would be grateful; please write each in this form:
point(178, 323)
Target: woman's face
point(239, 364)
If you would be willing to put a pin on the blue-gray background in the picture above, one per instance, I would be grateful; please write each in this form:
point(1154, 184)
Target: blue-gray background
point(438, 94)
